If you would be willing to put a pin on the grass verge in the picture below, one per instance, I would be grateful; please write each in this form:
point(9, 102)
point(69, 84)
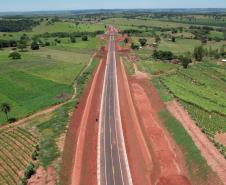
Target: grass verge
point(197, 166)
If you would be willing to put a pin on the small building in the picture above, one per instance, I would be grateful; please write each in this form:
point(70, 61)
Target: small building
point(223, 60)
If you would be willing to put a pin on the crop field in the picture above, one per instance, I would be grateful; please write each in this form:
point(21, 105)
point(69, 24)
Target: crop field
point(139, 23)
point(201, 90)
point(16, 148)
point(67, 27)
point(200, 87)
point(40, 80)
point(180, 46)
point(157, 67)
point(44, 27)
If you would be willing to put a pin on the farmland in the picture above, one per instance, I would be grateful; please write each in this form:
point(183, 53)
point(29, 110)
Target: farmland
point(54, 66)
point(37, 80)
point(17, 146)
point(40, 79)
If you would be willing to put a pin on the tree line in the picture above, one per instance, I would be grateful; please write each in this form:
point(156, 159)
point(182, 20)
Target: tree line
point(17, 25)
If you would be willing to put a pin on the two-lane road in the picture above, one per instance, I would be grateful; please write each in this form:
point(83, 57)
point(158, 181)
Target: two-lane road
point(113, 168)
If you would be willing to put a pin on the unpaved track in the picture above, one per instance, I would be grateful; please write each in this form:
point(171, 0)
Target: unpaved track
point(214, 159)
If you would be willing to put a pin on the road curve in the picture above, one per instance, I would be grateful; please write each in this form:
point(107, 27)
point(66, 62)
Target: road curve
point(113, 168)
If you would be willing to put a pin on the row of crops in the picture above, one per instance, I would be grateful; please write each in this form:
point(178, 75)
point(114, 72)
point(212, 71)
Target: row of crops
point(200, 86)
point(16, 148)
point(202, 91)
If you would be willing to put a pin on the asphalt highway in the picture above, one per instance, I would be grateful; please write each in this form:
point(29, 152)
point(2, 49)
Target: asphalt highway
point(112, 158)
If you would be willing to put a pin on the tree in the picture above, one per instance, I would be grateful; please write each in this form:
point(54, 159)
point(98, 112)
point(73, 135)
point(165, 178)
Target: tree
point(22, 45)
point(199, 53)
point(126, 40)
point(34, 45)
point(185, 61)
point(173, 39)
point(84, 38)
point(5, 108)
point(143, 41)
point(15, 55)
point(72, 39)
point(134, 46)
point(29, 171)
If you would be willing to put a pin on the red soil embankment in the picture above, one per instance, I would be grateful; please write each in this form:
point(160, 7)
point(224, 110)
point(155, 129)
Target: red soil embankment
point(139, 156)
point(153, 156)
point(81, 139)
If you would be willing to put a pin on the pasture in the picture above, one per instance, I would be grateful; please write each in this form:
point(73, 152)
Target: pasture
point(40, 79)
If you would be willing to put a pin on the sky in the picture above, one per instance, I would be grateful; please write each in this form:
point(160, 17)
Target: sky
point(31, 5)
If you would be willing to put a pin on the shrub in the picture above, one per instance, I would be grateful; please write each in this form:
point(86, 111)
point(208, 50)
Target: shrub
point(34, 46)
point(185, 61)
point(34, 155)
point(15, 55)
point(84, 38)
point(163, 55)
point(143, 41)
point(72, 39)
point(134, 46)
point(29, 171)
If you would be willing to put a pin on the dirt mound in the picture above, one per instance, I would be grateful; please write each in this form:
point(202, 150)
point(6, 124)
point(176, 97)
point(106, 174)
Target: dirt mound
point(173, 180)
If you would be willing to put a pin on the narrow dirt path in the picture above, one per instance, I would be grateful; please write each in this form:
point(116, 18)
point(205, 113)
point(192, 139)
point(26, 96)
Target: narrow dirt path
point(214, 159)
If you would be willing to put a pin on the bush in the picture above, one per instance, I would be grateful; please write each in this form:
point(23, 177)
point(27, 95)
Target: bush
point(29, 171)
point(199, 53)
point(34, 155)
point(84, 38)
point(47, 44)
point(185, 61)
point(134, 46)
point(14, 55)
point(143, 41)
point(72, 39)
point(34, 46)
point(163, 55)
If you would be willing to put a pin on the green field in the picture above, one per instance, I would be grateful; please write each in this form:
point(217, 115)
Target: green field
point(44, 27)
point(67, 27)
point(38, 80)
point(157, 67)
point(130, 23)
